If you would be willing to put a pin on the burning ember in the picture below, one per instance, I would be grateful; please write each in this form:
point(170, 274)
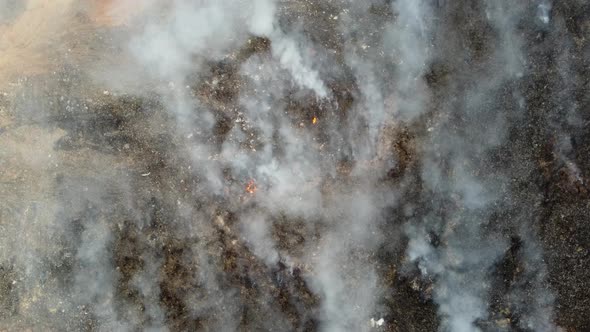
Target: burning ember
point(314, 120)
point(251, 187)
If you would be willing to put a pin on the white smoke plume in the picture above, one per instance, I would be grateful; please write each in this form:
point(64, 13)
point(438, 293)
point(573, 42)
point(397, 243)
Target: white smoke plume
point(282, 165)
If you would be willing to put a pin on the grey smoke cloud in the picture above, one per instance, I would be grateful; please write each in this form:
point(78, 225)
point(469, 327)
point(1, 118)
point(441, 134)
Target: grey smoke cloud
point(232, 169)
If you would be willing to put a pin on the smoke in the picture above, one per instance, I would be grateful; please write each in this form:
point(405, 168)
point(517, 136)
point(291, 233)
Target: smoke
point(544, 11)
point(458, 248)
point(94, 282)
point(285, 48)
point(408, 43)
point(270, 165)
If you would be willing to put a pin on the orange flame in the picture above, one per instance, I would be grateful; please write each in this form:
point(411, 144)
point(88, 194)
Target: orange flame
point(314, 120)
point(251, 187)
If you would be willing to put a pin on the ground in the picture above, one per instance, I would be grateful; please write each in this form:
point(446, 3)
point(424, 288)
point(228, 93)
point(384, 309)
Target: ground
point(108, 222)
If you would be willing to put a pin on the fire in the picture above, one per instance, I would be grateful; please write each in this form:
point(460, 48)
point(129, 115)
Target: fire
point(251, 187)
point(314, 120)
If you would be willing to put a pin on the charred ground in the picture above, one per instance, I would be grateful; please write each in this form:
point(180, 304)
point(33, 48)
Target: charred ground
point(100, 138)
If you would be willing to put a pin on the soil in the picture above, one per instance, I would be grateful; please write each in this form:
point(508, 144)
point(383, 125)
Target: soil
point(73, 154)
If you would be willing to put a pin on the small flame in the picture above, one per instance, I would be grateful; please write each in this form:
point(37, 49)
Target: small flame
point(314, 120)
point(251, 187)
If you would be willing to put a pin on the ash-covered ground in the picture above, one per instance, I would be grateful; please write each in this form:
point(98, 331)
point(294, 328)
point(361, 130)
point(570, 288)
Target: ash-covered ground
point(320, 165)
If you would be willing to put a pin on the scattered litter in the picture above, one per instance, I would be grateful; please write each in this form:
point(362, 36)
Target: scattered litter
point(146, 174)
point(377, 323)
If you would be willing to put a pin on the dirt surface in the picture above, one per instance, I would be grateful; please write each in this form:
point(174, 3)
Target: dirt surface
point(107, 222)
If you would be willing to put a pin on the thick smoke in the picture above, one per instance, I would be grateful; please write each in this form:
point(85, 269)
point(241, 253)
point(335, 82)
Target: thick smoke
point(284, 165)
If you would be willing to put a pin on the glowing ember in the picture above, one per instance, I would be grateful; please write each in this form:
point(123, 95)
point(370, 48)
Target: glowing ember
point(314, 120)
point(251, 187)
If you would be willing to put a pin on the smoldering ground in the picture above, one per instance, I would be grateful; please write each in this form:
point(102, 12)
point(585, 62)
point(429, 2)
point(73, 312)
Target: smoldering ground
point(294, 165)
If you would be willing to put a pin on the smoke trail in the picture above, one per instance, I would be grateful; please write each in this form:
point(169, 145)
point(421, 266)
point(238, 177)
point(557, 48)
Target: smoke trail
point(270, 165)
